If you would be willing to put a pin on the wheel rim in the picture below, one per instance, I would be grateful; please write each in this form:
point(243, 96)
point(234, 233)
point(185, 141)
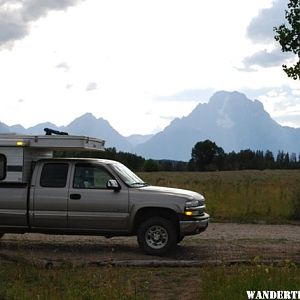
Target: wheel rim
point(157, 237)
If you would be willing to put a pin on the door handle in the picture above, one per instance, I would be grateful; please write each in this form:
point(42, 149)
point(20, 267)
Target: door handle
point(75, 196)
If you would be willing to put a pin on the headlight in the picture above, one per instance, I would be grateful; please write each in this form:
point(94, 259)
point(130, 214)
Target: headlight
point(192, 203)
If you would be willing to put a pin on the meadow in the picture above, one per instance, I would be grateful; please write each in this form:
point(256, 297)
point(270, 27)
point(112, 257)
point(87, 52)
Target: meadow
point(269, 196)
point(20, 281)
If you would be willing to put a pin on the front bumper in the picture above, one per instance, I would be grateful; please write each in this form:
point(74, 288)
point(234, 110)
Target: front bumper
point(194, 226)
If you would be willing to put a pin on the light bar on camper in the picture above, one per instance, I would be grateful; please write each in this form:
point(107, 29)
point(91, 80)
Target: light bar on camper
point(53, 142)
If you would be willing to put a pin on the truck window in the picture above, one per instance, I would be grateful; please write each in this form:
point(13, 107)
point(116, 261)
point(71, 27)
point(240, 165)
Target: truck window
point(2, 166)
point(90, 177)
point(54, 175)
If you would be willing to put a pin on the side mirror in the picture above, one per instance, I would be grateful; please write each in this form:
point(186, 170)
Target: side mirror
point(113, 184)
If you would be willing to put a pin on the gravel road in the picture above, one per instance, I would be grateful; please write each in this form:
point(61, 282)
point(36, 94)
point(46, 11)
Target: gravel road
point(224, 242)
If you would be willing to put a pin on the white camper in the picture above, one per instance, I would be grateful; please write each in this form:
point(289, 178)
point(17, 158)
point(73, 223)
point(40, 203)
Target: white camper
point(17, 152)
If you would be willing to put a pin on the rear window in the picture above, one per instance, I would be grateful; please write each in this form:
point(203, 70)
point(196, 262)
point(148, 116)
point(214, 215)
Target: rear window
point(54, 175)
point(2, 166)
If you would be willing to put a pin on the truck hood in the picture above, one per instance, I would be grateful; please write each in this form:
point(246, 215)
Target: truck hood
point(173, 192)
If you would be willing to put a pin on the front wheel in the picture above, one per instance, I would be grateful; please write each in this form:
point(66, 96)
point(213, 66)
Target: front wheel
point(157, 236)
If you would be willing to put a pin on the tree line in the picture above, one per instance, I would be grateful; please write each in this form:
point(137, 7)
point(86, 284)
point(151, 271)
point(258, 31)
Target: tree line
point(205, 156)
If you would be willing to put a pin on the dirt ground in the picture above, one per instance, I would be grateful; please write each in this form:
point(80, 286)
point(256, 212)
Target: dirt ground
point(221, 242)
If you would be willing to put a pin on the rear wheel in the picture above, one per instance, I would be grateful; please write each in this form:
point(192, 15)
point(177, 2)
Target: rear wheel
point(157, 236)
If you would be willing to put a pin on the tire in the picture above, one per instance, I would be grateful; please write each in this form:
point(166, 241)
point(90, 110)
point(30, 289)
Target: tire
point(1, 235)
point(157, 236)
point(179, 239)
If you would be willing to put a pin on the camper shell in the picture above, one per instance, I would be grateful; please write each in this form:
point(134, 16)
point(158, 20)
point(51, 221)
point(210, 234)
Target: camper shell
point(18, 152)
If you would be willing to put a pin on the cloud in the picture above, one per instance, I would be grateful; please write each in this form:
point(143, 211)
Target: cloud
point(63, 66)
point(16, 16)
point(283, 104)
point(12, 27)
point(34, 9)
point(189, 95)
point(266, 59)
point(260, 29)
point(168, 118)
point(91, 86)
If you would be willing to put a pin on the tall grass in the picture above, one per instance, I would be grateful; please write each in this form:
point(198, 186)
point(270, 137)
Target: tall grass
point(271, 196)
point(233, 282)
point(21, 281)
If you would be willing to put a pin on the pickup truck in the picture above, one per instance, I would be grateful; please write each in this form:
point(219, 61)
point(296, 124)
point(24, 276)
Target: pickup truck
point(98, 197)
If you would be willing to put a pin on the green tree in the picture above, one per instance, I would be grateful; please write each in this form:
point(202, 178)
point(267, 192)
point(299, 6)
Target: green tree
point(289, 37)
point(151, 165)
point(207, 156)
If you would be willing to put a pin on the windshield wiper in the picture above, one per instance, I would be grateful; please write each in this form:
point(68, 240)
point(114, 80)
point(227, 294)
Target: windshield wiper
point(139, 183)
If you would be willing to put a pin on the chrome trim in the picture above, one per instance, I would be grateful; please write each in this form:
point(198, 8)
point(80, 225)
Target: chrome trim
point(202, 207)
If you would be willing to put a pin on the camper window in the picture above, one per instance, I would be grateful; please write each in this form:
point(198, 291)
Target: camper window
point(2, 166)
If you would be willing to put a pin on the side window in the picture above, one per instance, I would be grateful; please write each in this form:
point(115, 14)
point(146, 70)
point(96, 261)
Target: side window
point(2, 166)
point(90, 177)
point(54, 175)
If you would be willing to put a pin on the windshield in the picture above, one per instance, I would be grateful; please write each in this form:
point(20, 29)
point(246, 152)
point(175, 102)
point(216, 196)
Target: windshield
point(128, 176)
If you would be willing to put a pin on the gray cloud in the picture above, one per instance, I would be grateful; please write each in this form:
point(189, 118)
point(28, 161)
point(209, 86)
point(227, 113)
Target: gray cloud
point(261, 27)
point(260, 30)
point(91, 86)
point(16, 15)
point(266, 59)
point(12, 27)
point(63, 66)
point(34, 9)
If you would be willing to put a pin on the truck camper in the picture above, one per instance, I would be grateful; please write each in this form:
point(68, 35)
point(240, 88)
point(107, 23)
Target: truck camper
point(40, 193)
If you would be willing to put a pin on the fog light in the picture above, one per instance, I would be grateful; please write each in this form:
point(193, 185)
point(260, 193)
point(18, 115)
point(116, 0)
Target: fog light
point(188, 213)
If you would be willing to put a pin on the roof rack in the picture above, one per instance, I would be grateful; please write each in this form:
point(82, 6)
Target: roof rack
point(49, 131)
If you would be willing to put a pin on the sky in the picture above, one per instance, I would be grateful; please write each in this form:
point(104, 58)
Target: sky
point(139, 63)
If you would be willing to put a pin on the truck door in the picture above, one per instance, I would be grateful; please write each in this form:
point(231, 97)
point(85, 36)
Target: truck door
point(91, 205)
point(50, 198)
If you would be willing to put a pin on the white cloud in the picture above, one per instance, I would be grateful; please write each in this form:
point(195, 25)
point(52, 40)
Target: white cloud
point(136, 56)
point(283, 104)
point(16, 16)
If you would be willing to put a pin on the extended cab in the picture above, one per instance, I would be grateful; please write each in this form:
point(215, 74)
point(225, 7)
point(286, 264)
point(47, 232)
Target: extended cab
point(39, 193)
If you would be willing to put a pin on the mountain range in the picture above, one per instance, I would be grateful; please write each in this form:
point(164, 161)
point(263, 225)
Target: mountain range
point(230, 119)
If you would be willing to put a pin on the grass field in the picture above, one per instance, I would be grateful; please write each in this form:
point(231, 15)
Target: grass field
point(271, 196)
point(19, 281)
point(246, 196)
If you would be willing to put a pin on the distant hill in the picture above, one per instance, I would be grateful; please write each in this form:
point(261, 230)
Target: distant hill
point(231, 120)
point(87, 124)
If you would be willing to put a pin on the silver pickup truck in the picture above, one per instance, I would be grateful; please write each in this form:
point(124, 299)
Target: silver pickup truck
point(95, 197)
